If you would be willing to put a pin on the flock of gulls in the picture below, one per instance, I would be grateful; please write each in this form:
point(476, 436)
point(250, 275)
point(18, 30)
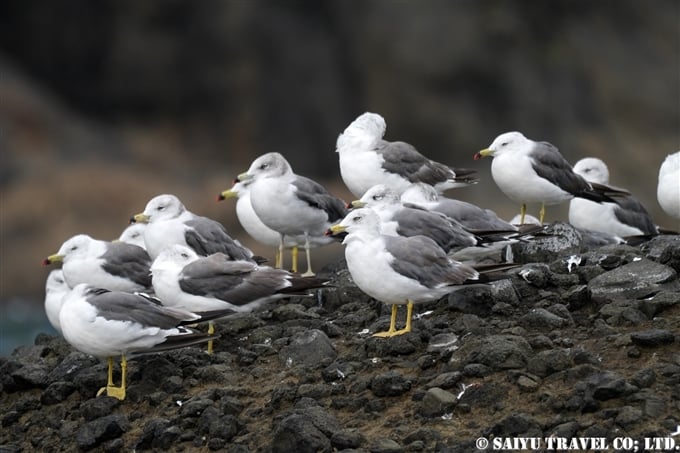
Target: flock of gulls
point(172, 270)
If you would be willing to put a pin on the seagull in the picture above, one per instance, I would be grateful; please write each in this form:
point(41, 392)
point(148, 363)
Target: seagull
point(468, 215)
point(134, 234)
point(399, 220)
point(535, 172)
point(107, 324)
point(261, 232)
point(625, 217)
point(55, 290)
point(668, 190)
point(366, 160)
point(397, 270)
point(116, 266)
point(169, 222)
point(290, 204)
point(185, 280)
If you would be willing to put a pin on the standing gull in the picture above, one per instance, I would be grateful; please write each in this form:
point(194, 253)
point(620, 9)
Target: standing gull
point(55, 290)
point(625, 217)
point(366, 160)
point(397, 270)
point(107, 324)
point(116, 266)
point(290, 204)
point(169, 222)
point(535, 172)
point(261, 232)
point(668, 190)
point(185, 280)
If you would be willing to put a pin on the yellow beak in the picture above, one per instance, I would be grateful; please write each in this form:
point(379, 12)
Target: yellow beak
point(357, 204)
point(140, 218)
point(244, 177)
point(335, 229)
point(56, 258)
point(227, 194)
point(484, 153)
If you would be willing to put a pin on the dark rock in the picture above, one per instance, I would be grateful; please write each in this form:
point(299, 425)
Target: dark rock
point(547, 362)
point(608, 385)
point(652, 338)
point(437, 402)
point(542, 320)
point(496, 351)
point(527, 384)
point(632, 281)
point(310, 348)
point(31, 376)
point(384, 445)
point(342, 440)
point(57, 392)
point(476, 370)
point(445, 380)
point(644, 378)
point(517, 425)
point(390, 383)
point(100, 430)
point(628, 416)
point(622, 313)
point(297, 433)
point(399, 345)
point(658, 303)
point(98, 407)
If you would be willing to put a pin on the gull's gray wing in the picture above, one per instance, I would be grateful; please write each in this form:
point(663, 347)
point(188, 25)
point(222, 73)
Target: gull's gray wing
point(405, 160)
point(549, 164)
point(471, 216)
point(316, 195)
point(446, 233)
point(236, 282)
point(421, 259)
point(128, 261)
point(207, 236)
point(630, 211)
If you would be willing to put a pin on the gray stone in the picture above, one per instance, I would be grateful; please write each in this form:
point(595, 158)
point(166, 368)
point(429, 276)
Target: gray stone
point(437, 402)
point(658, 303)
point(499, 352)
point(98, 407)
point(31, 375)
point(550, 361)
point(526, 384)
point(446, 380)
point(632, 281)
point(390, 383)
point(644, 378)
point(652, 337)
point(311, 348)
point(628, 416)
point(558, 238)
point(100, 430)
point(542, 320)
point(385, 445)
point(347, 439)
point(57, 392)
point(297, 433)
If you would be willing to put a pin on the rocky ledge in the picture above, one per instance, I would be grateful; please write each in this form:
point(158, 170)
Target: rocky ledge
point(576, 343)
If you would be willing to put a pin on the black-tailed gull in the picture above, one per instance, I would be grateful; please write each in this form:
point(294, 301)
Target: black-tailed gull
point(397, 270)
point(55, 290)
point(290, 204)
point(108, 324)
point(170, 222)
point(625, 217)
point(134, 234)
point(366, 160)
point(668, 189)
point(185, 280)
point(252, 224)
point(470, 216)
point(535, 172)
point(116, 266)
point(399, 220)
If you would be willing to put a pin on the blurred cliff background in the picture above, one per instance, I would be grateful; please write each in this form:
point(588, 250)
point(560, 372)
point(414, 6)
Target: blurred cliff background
point(104, 105)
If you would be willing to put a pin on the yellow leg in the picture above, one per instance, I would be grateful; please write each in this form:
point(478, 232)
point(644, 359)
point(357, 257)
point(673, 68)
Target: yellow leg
point(280, 254)
point(277, 260)
point(541, 213)
point(211, 330)
point(309, 272)
point(393, 322)
point(522, 213)
point(294, 258)
point(112, 390)
point(109, 383)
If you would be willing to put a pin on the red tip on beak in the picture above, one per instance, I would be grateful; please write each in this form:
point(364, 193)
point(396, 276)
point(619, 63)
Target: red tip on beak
point(220, 197)
point(46, 262)
point(328, 232)
point(235, 181)
point(477, 156)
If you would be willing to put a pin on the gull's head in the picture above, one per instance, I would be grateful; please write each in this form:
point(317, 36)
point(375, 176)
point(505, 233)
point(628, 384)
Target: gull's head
point(593, 170)
point(237, 190)
point(670, 165)
point(378, 196)
point(173, 257)
point(162, 207)
point(79, 246)
point(357, 221)
point(368, 127)
point(56, 283)
point(420, 193)
point(509, 142)
point(270, 165)
point(134, 234)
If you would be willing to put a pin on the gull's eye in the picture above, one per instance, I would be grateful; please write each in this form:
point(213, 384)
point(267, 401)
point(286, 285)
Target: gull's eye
point(185, 255)
point(356, 218)
point(504, 144)
point(377, 197)
point(160, 208)
point(263, 166)
point(75, 247)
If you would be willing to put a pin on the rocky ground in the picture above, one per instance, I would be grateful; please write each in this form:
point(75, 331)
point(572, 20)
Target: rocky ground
point(576, 343)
